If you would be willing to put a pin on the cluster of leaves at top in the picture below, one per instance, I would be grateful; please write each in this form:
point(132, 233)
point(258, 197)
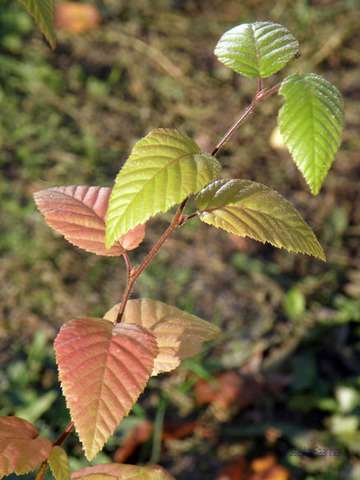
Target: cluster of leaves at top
point(105, 363)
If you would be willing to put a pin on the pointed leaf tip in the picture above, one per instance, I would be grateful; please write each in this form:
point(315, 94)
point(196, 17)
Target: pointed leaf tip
point(311, 123)
point(79, 213)
point(163, 169)
point(179, 334)
point(257, 49)
point(251, 209)
point(103, 368)
point(43, 13)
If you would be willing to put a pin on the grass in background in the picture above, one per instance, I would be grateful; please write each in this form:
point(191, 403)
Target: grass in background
point(291, 324)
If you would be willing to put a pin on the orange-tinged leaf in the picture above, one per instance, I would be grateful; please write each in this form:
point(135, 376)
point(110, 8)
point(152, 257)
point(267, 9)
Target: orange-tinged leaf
point(59, 463)
point(103, 368)
point(178, 334)
point(76, 17)
point(21, 450)
point(267, 468)
point(79, 213)
point(122, 472)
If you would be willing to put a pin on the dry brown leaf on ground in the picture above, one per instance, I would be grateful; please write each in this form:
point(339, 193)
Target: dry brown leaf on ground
point(76, 17)
point(171, 431)
point(237, 470)
point(263, 468)
point(266, 468)
point(228, 389)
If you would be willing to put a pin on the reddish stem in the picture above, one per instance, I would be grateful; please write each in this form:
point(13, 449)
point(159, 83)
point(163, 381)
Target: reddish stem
point(259, 97)
point(128, 266)
point(58, 442)
point(178, 220)
point(42, 470)
point(135, 272)
point(64, 435)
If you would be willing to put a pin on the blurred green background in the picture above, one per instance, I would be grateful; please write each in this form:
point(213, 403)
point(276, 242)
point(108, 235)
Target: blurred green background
point(291, 324)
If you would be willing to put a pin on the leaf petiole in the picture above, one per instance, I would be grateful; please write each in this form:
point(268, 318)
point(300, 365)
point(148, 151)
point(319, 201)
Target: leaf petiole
point(259, 97)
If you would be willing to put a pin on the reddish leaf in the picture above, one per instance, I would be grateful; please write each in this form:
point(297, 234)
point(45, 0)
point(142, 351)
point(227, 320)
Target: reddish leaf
point(122, 472)
point(76, 17)
point(178, 334)
point(21, 450)
point(103, 368)
point(79, 213)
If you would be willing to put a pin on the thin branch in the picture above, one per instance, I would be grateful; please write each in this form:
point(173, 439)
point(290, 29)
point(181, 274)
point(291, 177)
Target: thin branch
point(64, 435)
point(42, 470)
point(135, 272)
point(58, 442)
point(128, 265)
point(188, 217)
point(259, 97)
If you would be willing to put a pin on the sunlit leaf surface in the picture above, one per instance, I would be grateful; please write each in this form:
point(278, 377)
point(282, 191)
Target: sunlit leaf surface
point(311, 123)
point(178, 334)
point(163, 169)
point(257, 49)
point(251, 209)
point(103, 368)
point(79, 213)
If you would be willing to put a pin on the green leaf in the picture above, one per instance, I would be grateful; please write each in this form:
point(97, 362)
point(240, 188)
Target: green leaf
point(257, 49)
point(59, 463)
point(163, 169)
point(43, 13)
point(250, 209)
point(311, 123)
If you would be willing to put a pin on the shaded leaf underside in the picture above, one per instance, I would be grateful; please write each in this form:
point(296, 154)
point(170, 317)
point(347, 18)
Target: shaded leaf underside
point(179, 334)
point(251, 209)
